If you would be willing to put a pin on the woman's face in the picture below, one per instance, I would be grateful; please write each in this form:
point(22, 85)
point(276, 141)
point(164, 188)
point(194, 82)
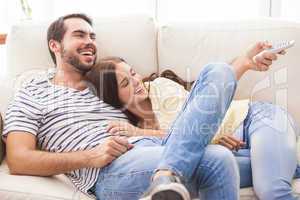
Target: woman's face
point(130, 86)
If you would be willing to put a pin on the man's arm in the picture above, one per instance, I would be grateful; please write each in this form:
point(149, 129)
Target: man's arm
point(24, 158)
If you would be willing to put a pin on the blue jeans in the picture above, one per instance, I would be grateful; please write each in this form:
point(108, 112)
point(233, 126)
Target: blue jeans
point(269, 161)
point(209, 171)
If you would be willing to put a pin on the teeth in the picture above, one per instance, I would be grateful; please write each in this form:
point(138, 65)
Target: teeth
point(88, 53)
point(137, 91)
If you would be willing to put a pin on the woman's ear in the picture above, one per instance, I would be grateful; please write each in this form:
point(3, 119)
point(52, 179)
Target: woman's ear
point(54, 46)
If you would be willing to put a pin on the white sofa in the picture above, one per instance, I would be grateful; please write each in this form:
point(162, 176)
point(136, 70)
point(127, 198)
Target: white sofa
point(181, 46)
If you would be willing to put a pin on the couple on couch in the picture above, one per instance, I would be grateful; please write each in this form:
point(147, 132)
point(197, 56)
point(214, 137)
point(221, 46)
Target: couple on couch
point(118, 138)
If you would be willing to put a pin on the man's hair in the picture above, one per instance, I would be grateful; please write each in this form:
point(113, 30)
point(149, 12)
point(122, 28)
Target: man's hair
point(57, 29)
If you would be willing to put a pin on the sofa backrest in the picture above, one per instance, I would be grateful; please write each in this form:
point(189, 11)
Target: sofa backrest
point(130, 37)
point(185, 47)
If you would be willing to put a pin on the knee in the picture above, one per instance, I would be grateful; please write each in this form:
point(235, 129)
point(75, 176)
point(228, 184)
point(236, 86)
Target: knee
point(263, 109)
point(264, 193)
point(224, 165)
point(273, 116)
point(219, 76)
point(223, 158)
point(274, 191)
point(220, 72)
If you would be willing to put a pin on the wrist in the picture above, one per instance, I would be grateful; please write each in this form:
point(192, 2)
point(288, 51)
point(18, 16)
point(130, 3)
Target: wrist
point(244, 62)
point(240, 65)
point(86, 158)
point(139, 131)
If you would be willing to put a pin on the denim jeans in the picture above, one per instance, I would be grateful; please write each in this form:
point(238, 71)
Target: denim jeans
point(268, 162)
point(209, 171)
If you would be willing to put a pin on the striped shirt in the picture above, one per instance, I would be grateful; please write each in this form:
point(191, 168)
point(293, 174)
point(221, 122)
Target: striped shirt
point(62, 119)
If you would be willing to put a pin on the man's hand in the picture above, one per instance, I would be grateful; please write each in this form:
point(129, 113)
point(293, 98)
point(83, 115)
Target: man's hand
point(230, 142)
point(108, 151)
point(123, 128)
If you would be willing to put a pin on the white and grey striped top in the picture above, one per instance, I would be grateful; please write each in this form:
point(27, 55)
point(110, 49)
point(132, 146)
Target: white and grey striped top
point(63, 120)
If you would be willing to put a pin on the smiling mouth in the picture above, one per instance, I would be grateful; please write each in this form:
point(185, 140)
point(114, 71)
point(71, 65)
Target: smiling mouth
point(87, 52)
point(139, 90)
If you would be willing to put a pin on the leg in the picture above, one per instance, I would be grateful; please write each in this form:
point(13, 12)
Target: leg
point(245, 170)
point(192, 131)
point(130, 175)
point(199, 120)
point(271, 138)
point(243, 159)
point(217, 174)
point(194, 128)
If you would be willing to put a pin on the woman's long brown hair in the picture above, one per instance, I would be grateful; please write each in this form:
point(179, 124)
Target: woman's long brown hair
point(103, 78)
point(169, 74)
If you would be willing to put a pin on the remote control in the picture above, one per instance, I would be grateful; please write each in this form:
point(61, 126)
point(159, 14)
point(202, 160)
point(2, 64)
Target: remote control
point(277, 48)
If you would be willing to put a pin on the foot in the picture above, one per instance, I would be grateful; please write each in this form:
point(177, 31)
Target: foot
point(166, 188)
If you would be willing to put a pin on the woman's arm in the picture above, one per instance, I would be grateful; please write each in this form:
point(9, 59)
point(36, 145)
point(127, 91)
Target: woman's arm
point(129, 130)
point(151, 132)
point(229, 142)
point(255, 58)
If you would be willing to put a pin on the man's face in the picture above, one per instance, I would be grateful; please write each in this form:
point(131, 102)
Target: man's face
point(78, 47)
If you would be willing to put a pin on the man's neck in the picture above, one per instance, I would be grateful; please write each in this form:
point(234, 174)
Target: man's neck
point(68, 77)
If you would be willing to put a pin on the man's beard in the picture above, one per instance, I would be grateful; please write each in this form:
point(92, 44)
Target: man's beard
point(75, 62)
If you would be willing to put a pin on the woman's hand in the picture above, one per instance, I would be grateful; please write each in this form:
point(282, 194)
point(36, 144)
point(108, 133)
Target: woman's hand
point(230, 142)
point(123, 128)
point(261, 60)
point(255, 58)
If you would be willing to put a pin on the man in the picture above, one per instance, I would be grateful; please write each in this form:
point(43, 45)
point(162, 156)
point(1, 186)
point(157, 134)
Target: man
point(57, 125)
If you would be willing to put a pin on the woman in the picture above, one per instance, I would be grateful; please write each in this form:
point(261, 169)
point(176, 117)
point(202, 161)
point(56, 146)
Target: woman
point(257, 128)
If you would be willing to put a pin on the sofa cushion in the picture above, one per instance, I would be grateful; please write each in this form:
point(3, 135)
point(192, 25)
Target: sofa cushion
point(38, 188)
point(60, 188)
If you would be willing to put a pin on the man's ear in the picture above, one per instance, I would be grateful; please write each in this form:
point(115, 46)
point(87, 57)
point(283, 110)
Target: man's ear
point(54, 46)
